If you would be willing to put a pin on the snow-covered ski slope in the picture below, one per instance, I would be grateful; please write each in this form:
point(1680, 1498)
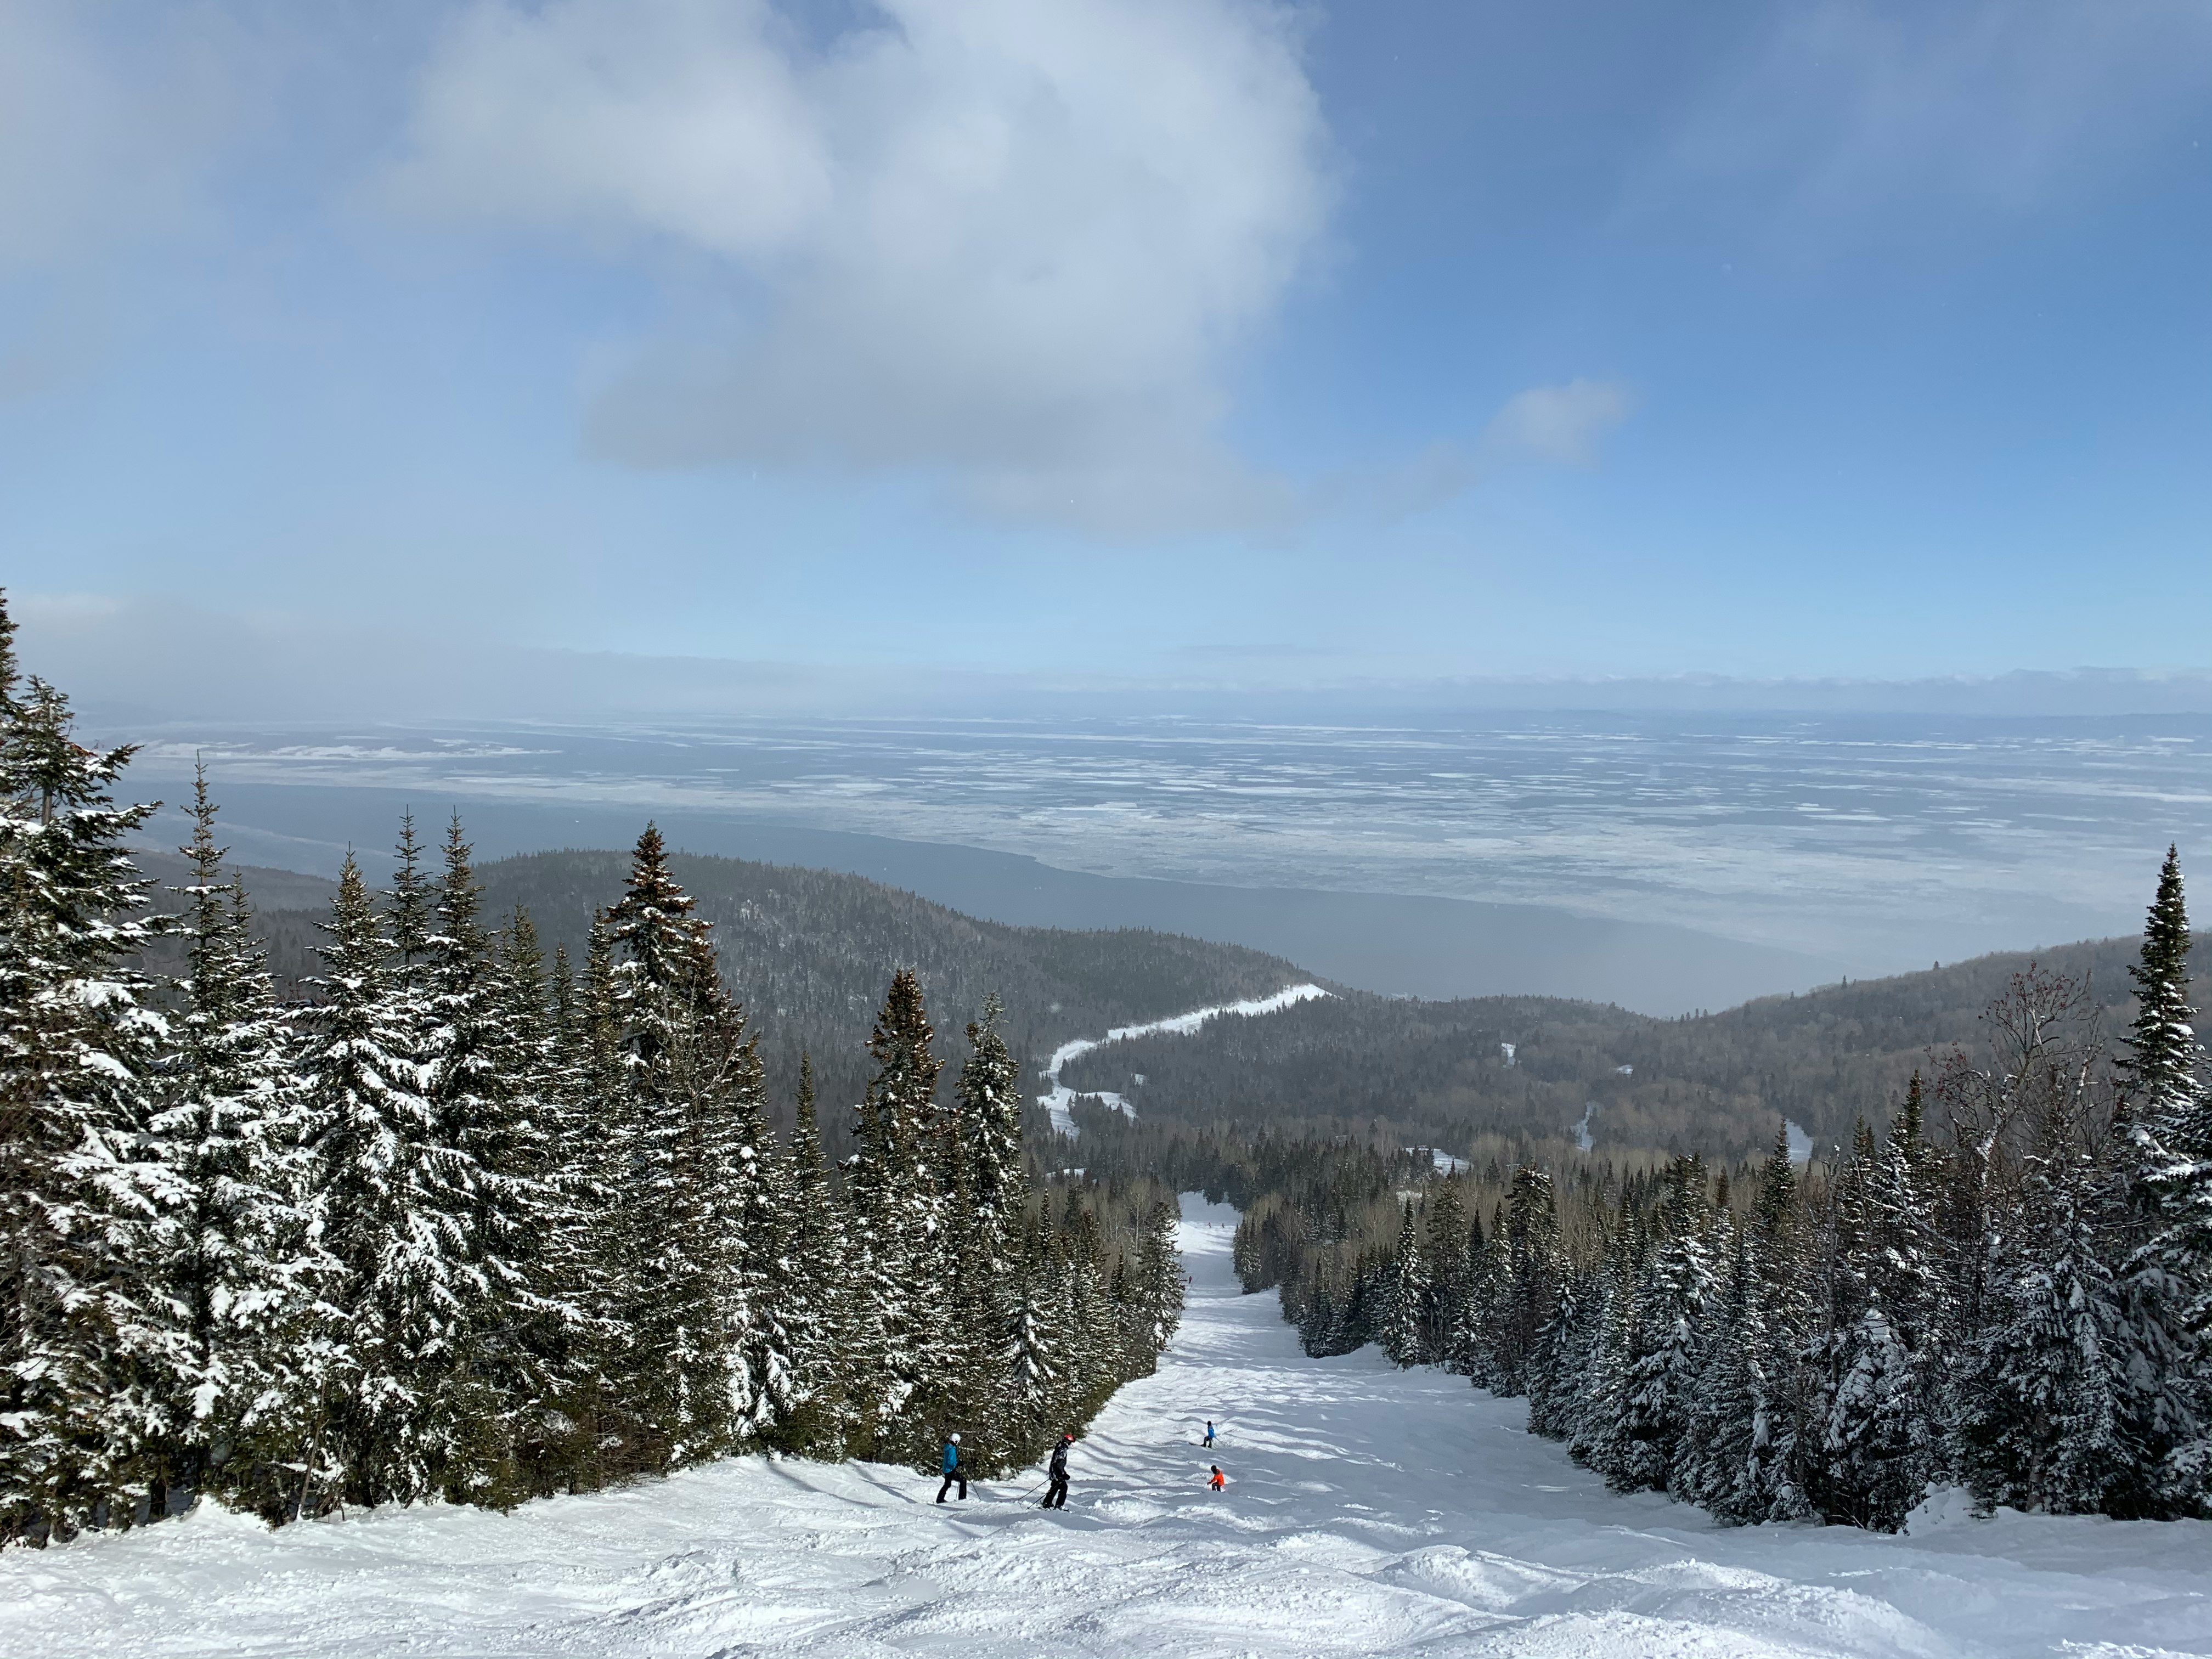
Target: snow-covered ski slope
point(1059, 1098)
point(1370, 1511)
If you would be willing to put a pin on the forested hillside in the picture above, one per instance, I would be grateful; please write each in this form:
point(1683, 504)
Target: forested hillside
point(1536, 1068)
point(806, 951)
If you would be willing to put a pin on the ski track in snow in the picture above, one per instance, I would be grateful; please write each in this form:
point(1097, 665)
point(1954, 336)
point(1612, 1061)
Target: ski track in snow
point(1060, 1098)
point(1370, 1511)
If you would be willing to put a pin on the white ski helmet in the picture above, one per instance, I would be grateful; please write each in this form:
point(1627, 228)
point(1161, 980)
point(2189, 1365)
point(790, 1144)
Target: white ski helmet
point(955, 1439)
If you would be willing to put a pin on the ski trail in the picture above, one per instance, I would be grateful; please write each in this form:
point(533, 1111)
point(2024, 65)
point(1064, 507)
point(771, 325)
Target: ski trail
point(1370, 1511)
point(1060, 1098)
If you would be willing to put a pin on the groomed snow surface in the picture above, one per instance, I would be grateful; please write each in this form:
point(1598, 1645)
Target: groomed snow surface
point(1370, 1511)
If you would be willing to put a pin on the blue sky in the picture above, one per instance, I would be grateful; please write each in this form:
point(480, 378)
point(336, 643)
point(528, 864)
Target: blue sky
point(1189, 340)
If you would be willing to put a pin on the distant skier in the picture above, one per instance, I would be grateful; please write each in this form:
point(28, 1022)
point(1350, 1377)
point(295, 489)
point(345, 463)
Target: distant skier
point(1209, 1434)
point(953, 1471)
point(1055, 1494)
point(1217, 1480)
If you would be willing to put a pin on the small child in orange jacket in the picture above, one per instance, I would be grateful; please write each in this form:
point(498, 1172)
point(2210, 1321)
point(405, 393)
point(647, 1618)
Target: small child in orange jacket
point(1218, 1479)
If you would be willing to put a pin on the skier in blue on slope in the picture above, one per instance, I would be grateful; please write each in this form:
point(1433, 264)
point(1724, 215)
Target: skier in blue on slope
point(953, 1471)
point(1209, 1431)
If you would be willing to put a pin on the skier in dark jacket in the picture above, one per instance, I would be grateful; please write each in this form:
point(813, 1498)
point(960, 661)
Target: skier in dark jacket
point(1055, 1494)
point(953, 1471)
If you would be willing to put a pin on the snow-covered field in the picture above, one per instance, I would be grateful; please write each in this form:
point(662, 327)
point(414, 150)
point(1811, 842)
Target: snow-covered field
point(1370, 1511)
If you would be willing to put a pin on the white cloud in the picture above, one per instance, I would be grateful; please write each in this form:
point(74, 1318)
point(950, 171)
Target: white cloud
point(1559, 424)
point(1016, 242)
point(1545, 425)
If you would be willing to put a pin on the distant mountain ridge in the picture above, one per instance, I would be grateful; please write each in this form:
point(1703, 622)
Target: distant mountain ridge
point(1721, 1084)
point(809, 951)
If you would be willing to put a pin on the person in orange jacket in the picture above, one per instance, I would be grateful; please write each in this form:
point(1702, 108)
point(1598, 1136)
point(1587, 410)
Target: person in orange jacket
point(1217, 1480)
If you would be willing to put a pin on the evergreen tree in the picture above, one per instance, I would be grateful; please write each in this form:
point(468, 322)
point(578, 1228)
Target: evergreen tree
point(2168, 1274)
point(896, 1215)
point(1598, 1418)
point(1449, 1272)
point(991, 1123)
point(1729, 1444)
point(1780, 1330)
point(1156, 1288)
point(1532, 1271)
point(1876, 1452)
point(2046, 1425)
point(607, 1170)
point(1407, 1290)
point(85, 1340)
point(399, 1415)
point(1666, 1352)
point(1030, 1359)
point(690, 1099)
point(233, 1261)
point(482, 1053)
point(815, 1294)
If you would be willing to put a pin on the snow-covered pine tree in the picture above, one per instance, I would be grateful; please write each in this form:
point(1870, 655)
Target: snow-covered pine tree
point(385, 1193)
point(1489, 1291)
point(482, 1051)
point(1877, 1450)
point(236, 1265)
point(2045, 1399)
point(1727, 1444)
point(1532, 1272)
point(990, 1097)
point(957, 1391)
point(2167, 1121)
point(1405, 1292)
point(1876, 1455)
point(1092, 1325)
point(895, 1212)
point(691, 1100)
point(572, 1180)
point(1609, 1346)
point(814, 1291)
point(552, 1178)
point(1157, 1285)
point(975, 1231)
point(1905, 1270)
point(1446, 1247)
point(760, 1207)
point(1032, 1363)
point(83, 1340)
point(1555, 1372)
point(1666, 1354)
point(1782, 1330)
point(600, 1146)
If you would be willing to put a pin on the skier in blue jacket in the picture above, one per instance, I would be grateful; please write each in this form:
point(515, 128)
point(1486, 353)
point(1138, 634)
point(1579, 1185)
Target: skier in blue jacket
point(953, 1471)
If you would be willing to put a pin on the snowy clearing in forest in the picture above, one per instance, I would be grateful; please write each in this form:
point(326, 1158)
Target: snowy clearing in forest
point(1369, 1511)
point(1060, 1098)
